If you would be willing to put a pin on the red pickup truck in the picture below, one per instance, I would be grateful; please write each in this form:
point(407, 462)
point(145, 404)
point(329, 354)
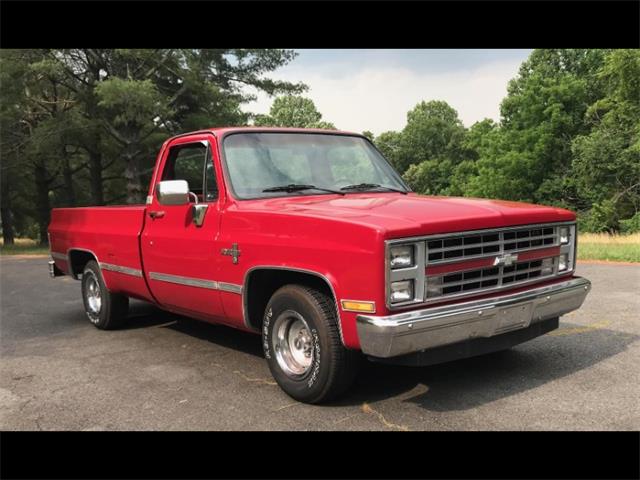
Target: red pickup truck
point(312, 240)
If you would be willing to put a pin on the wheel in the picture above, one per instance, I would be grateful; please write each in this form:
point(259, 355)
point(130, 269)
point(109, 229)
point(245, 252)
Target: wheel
point(106, 310)
point(302, 345)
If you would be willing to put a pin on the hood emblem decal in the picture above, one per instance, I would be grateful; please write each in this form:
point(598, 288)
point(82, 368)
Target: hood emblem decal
point(505, 260)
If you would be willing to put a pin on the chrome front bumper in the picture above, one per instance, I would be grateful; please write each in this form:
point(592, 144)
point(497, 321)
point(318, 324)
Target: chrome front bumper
point(415, 331)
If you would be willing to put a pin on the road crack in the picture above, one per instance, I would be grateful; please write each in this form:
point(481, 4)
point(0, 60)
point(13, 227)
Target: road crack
point(366, 408)
point(264, 381)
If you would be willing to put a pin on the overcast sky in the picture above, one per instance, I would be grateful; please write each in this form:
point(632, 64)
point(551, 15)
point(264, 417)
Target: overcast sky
point(372, 90)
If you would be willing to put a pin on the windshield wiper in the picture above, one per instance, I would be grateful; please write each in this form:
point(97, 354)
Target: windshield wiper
point(369, 186)
point(297, 187)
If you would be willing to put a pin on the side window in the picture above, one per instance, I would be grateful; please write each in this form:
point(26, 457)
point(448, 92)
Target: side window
point(192, 162)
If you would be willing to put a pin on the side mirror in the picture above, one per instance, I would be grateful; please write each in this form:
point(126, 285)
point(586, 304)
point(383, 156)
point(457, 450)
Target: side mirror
point(173, 192)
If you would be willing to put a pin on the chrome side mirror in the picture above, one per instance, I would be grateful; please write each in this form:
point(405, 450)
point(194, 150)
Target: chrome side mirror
point(173, 192)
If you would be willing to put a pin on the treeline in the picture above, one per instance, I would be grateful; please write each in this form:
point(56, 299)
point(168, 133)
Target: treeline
point(569, 136)
point(82, 127)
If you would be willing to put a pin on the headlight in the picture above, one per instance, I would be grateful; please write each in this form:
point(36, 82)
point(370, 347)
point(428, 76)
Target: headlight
point(564, 235)
point(402, 256)
point(401, 291)
point(563, 262)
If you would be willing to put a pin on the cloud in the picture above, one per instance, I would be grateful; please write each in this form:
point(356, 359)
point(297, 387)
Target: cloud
point(378, 99)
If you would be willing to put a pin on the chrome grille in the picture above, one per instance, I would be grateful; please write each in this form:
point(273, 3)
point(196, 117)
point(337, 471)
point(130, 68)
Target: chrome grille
point(454, 248)
point(457, 283)
point(502, 246)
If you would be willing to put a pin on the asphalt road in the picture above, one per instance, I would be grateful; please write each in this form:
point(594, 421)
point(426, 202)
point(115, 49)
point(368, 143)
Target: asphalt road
point(163, 372)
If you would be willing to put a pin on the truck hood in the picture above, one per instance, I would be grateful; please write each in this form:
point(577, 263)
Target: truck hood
point(397, 215)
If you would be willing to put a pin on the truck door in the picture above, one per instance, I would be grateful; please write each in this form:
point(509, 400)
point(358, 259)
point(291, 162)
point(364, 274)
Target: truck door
point(181, 258)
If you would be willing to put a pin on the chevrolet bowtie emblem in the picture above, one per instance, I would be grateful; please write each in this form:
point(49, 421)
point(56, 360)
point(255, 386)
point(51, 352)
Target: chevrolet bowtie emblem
point(233, 252)
point(505, 260)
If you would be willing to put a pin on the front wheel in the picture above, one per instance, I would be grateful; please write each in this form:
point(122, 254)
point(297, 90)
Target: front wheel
point(106, 310)
point(302, 344)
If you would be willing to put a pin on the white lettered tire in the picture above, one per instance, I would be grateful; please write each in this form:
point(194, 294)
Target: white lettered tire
point(302, 345)
point(106, 310)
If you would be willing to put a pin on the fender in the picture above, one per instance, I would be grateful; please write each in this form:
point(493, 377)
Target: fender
point(324, 278)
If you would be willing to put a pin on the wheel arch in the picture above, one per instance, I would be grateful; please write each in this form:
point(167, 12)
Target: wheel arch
point(261, 282)
point(78, 258)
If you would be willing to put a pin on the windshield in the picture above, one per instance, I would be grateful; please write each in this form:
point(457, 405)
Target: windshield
point(306, 164)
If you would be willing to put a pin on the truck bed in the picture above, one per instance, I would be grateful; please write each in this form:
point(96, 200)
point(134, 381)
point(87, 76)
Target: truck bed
point(111, 234)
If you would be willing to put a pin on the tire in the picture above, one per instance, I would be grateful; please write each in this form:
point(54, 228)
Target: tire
point(302, 345)
point(106, 310)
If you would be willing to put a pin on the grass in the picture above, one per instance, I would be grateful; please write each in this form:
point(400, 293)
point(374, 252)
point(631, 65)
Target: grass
point(603, 246)
point(591, 246)
point(23, 246)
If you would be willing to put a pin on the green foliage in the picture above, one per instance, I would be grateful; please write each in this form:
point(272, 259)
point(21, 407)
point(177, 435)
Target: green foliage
point(83, 126)
point(369, 135)
point(631, 225)
point(293, 111)
point(133, 103)
point(389, 143)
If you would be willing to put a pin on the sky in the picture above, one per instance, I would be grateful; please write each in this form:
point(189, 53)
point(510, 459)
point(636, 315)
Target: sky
point(373, 90)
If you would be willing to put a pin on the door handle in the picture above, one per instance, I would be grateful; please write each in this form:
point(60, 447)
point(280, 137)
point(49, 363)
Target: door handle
point(156, 214)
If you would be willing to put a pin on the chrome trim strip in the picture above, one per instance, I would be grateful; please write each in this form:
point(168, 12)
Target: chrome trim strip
point(59, 256)
point(188, 281)
point(120, 269)
point(230, 287)
point(413, 331)
point(196, 282)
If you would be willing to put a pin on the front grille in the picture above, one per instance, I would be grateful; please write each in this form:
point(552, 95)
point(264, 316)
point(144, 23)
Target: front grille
point(457, 283)
point(454, 248)
point(461, 264)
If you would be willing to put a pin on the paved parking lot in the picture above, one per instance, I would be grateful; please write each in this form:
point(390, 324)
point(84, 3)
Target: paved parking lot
point(163, 372)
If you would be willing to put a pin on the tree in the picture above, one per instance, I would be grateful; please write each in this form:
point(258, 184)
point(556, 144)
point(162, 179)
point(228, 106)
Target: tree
point(389, 143)
point(82, 126)
point(529, 157)
point(607, 159)
point(433, 131)
point(430, 146)
point(293, 111)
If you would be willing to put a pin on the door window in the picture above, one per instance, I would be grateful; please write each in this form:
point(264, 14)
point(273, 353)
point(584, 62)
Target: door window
point(193, 162)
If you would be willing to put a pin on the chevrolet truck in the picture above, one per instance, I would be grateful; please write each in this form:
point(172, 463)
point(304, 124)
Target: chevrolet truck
point(312, 240)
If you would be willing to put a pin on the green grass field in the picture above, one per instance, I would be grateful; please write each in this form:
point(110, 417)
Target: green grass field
point(23, 246)
point(591, 246)
point(602, 246)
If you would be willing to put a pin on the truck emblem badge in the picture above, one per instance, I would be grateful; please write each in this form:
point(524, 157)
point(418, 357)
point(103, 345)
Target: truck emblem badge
point(233, 252)
point(505, 260)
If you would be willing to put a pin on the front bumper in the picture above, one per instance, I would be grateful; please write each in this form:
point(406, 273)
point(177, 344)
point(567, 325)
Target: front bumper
point(416, 331)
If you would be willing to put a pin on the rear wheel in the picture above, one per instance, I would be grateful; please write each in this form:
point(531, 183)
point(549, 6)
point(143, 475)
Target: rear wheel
point(302, 344)
point(106, 310)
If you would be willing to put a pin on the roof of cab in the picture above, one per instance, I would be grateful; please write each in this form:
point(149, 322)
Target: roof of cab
point(222, 131)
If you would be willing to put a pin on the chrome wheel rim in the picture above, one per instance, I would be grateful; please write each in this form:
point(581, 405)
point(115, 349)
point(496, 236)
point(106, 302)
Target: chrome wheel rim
point(293, 344)
point(93, 296)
